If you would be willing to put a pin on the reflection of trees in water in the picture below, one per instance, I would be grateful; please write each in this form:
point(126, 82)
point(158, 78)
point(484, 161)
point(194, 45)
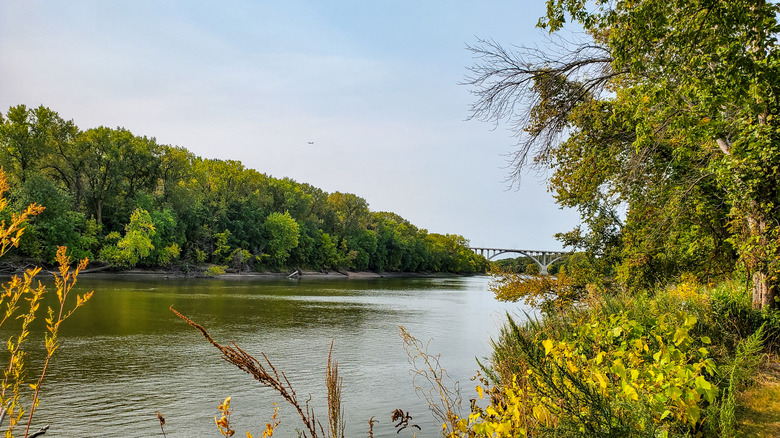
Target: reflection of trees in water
point(129, 356)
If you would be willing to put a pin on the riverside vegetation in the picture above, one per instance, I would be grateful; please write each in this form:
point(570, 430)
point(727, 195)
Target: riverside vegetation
point(672, 362)
point(659, 125)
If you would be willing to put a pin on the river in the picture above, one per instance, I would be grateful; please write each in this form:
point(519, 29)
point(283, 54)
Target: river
point(125, 356)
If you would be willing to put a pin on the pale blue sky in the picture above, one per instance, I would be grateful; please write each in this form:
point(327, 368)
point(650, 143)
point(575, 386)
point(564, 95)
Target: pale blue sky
point(373, 83)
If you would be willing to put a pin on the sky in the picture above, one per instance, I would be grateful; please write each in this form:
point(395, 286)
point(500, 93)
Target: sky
point(375, 85)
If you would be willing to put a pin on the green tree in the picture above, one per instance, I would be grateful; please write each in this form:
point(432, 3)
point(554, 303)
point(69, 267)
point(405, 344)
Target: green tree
point(668, 109)
point(240, 259)
point(221, 246)
point(175, 169)
point(140, 165)
point(103, 173)
point(166, 237)
point(351, 213)
point(66, 160)
point(364, 242)
point(25, 138)
point(324, 254)
point(58, 225)
point(136, 244)
point(182, 205)
point(282, 234)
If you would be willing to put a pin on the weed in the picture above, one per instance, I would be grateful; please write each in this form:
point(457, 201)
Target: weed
point(215, 271)
point(741, 370)
point(266, 374)
point(404, 421)
point(161, 419)
point(444, 401)
point(371, 423)
point(14, 293)
point(223, 423)
point(335, 411)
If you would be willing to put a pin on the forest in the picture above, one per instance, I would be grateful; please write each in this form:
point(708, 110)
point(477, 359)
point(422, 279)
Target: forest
point(116, 197)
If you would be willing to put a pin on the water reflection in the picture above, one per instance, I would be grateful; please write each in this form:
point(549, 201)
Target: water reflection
point(125, 356)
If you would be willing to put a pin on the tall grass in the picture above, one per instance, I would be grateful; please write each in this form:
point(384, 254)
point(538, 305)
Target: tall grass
point(333, 383)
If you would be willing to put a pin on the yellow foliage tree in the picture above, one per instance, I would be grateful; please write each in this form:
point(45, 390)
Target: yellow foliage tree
point(535, 290)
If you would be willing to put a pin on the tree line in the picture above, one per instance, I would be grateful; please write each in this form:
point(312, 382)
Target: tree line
point(125, 199)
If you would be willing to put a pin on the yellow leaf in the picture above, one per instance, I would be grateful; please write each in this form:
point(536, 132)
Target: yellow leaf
point(630, 392)
point(601, 380)
point(548, 346)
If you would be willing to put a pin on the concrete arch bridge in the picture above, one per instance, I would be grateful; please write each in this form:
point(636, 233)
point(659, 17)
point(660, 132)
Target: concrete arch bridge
point(543, 259)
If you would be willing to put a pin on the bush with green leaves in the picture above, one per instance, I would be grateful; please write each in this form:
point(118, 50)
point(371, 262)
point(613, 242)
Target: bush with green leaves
point(629, 366)
point(135, 245)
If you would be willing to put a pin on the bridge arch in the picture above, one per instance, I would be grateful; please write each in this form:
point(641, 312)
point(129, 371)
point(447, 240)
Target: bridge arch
point(543, 259)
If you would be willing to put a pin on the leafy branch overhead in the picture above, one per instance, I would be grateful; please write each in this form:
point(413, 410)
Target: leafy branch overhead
point(662, 116)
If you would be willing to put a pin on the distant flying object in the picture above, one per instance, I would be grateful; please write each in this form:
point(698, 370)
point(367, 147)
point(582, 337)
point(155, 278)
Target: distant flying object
point(311, 142)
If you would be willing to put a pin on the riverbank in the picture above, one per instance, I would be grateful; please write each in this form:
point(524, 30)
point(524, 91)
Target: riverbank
point(686, 358)
point(17, 266)
point(294, 275)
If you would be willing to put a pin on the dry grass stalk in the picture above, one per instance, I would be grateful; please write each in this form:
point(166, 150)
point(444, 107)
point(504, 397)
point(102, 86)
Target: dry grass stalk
point(404, 421)
point(64, 282)
point(161, 419)
point(444, 403)
point(10, 297)
point(266, 374)
point(335, 411)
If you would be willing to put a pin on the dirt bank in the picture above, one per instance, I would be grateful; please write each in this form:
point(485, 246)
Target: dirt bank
point(294, 275)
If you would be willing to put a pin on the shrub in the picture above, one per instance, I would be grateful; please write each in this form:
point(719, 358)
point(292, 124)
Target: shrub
point(554, 293)
point(214, 271)
point(624, 366)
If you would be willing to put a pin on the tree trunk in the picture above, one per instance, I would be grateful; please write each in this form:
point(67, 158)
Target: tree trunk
point(99, 212)
point(764, 287)
point(764, 291)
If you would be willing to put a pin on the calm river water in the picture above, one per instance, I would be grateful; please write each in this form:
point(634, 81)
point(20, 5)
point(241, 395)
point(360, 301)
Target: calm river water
point(125, 355)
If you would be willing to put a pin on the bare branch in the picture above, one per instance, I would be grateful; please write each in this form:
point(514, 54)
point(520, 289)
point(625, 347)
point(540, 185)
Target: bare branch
point(535, 91)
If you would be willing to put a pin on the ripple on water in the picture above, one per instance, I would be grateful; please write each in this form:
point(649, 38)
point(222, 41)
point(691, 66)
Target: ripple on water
point(126, 356)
